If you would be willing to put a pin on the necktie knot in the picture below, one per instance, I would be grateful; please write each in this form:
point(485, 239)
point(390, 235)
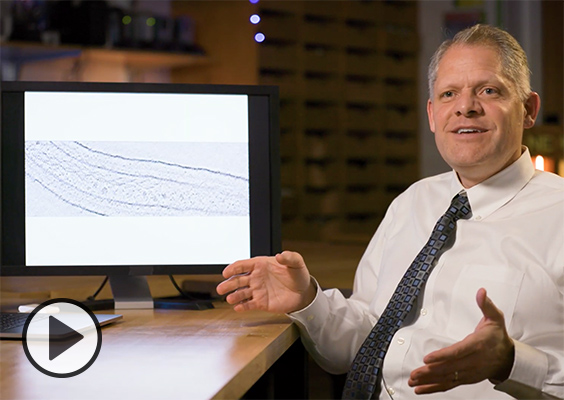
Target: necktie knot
point(460, 207)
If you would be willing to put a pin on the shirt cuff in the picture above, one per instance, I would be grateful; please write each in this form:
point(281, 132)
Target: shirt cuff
point(310, 317)
point(317, 291)
point(530, 368)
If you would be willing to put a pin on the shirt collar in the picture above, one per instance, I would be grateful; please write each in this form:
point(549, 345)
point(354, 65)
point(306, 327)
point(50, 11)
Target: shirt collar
point(491, 194)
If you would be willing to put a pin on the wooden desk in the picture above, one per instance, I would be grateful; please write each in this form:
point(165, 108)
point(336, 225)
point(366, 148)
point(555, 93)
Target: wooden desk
point(167, 354)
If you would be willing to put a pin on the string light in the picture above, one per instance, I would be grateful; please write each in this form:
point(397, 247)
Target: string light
point(259, 37)
point(255, 19)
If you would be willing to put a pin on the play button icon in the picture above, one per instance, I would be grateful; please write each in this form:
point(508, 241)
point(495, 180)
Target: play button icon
point(62, 338)
point(58, 329)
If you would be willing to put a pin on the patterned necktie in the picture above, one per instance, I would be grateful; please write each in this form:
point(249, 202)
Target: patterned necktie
point(363, 377)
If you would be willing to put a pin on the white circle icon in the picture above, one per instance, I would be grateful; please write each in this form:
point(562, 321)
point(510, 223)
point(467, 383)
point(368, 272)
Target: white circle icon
point(62, 338)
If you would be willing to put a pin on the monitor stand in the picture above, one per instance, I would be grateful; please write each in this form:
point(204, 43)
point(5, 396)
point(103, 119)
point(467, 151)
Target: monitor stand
point(132, 292)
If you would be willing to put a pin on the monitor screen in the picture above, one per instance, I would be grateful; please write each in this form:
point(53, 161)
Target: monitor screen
point(137, 179)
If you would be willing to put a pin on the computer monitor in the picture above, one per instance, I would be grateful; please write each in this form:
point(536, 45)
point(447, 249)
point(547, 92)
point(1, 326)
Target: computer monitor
point(134, 179)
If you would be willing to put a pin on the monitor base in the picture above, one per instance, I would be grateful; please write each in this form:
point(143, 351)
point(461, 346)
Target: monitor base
point(182, 303)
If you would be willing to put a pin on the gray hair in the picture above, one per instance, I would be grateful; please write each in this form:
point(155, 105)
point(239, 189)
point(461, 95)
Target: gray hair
point(513, 57)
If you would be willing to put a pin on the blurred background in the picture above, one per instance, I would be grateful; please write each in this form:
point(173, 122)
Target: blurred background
point(352, 78)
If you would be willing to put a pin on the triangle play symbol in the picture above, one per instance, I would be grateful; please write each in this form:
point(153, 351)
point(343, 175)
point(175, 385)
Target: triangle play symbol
point(61, 337)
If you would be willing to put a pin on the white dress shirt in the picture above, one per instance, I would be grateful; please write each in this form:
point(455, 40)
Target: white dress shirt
point(513, 246)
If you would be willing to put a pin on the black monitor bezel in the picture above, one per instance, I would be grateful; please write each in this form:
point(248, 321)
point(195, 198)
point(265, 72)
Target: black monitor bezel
point(264, 173)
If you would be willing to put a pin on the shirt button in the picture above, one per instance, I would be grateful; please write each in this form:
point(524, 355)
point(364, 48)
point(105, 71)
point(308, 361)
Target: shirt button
point(401, 341)
point(391, 391)
point(478, 217)
point(423, 311)
point(310, 317)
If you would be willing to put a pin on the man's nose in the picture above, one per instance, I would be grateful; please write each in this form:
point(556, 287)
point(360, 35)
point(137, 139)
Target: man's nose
point(468, 105)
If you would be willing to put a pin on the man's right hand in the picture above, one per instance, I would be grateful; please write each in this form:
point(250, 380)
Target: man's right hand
point(279, 284)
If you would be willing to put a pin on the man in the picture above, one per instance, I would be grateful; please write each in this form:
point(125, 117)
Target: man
point(489, 322)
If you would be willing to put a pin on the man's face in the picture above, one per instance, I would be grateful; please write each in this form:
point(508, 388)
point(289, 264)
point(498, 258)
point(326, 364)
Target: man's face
point(476, 114)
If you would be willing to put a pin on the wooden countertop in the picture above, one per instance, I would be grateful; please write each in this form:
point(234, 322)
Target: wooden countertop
point(158, 354)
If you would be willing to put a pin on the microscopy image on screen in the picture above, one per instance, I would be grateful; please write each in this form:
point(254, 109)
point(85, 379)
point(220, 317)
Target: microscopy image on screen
point(136, 179)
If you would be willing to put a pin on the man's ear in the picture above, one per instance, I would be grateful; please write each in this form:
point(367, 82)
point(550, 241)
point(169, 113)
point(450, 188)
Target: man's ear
point(532, 107)
point(430, 115)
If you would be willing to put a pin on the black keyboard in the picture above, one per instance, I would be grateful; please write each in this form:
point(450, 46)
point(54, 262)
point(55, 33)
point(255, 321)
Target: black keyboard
point(11, 320)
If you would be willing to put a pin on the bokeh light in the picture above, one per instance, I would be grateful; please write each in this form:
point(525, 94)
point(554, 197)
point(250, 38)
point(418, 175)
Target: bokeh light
point(259, 37)
point(255, 19)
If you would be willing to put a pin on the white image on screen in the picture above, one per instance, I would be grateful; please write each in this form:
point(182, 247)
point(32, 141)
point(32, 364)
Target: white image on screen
point(149, 179)
point(119, 179)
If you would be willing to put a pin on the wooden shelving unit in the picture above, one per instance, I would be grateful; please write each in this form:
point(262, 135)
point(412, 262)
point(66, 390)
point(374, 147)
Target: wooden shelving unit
point(347, 73)
point(26, 54)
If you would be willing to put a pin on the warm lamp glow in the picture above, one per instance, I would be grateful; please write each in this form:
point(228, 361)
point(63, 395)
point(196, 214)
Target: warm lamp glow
point(544, 163)
point(539, 163)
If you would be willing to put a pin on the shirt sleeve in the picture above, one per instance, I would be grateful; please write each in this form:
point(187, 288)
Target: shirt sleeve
point(531, 374)
point(333, 327)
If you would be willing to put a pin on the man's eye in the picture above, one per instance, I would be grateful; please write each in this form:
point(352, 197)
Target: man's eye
point(490, 91)
point(447, 94)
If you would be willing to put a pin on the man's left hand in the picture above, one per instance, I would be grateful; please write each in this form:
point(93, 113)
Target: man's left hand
point(487, 353)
